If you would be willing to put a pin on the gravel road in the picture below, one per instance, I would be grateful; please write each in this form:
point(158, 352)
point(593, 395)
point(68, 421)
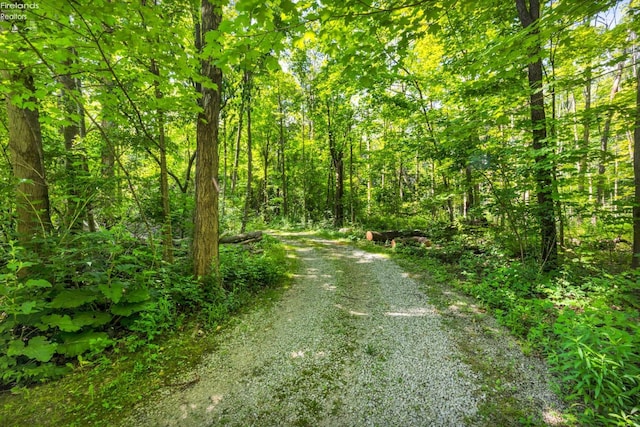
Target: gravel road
point(355, 342)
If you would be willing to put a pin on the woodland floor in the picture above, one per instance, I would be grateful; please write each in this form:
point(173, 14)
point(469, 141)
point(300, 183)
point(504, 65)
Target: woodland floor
point(358, 341)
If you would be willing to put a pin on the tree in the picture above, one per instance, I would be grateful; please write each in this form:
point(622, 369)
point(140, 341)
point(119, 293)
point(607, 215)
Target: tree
point(543, 149)
point(206, 231)
point(27, 156)
point(635, 263)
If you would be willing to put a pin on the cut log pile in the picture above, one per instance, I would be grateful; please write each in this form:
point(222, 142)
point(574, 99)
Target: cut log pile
point(243, 239)
point(414, 240)
point(385, 236)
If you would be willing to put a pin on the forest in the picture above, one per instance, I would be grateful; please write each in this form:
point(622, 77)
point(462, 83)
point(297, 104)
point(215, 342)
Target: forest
point(136, 134)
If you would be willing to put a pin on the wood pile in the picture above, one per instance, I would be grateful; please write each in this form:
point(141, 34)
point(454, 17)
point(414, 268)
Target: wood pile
point(243, 239)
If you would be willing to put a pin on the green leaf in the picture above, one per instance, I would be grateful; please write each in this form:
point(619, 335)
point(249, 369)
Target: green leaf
point(136, 295)
point(129, 309)
point(37, 283)
point(73, 298)
point(16, 348)
point(64, 323)
point(272, 63)
point(112, 291)
point(40, 348)
point(27, 307)
point(76, 344)
point(97, 318)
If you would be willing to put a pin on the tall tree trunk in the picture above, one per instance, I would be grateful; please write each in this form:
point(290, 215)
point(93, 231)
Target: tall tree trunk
point(450, 207)
point(369, 178)
point(236, 157)
point(282, 163)
point(225, 181)
point(470, 200)
point(304, 172)
point(604, 139)
point(337, 162)
point(206, 232)
point(265, 178)
point(400, 186)
point(249, 193)
point(554, 138)
point(167, 237)
point(352, 192)
point(586, 123)
point(27, 161)
point(543, 171)
point(70, 132)
point(635, 262)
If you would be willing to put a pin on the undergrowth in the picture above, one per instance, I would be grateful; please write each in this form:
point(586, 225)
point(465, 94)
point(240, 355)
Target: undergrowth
point(112, 322)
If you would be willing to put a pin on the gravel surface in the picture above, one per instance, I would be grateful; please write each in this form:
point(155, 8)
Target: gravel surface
point(353, 342)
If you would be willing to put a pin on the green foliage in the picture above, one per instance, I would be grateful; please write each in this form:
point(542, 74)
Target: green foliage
point(583, 319)
point(102, 286)
point(239, 268)
point(598, 359)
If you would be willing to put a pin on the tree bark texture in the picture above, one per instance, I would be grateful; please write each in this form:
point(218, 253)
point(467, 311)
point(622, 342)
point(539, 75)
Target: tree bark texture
point(70, 132)
point(167, 235)
point(27, 162)
point(282, 162)
point(635, 262)
point(249, 193)
point(543, 171)
point(205, 238)
point(337, 162)
point(604, 140)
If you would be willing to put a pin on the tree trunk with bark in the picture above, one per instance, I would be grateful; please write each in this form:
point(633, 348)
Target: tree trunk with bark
point(206, 232)
point(236, 157)
point(543, 171)
point(249, 192)
point(282, 160)
point(635, 262)
point(337, 162)
point(27, 162)
point(167, 236)
point(604, 139)
point(265, 177)
point(70, 133)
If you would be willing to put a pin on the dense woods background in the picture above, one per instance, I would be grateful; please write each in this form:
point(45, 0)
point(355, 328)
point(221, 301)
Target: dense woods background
point(135, 133)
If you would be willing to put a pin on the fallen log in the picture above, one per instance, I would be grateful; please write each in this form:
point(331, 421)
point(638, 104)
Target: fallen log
point(383, 236)
point(254, 236)
point(414, 240)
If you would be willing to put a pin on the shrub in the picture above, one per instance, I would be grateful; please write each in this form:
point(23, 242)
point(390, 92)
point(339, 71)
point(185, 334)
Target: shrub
point(96, 288)
point(599, 361)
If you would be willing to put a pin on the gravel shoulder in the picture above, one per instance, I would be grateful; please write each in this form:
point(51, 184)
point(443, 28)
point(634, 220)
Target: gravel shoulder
point(355, 341)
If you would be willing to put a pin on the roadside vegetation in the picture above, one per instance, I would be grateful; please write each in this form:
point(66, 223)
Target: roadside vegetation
point(93, 371)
